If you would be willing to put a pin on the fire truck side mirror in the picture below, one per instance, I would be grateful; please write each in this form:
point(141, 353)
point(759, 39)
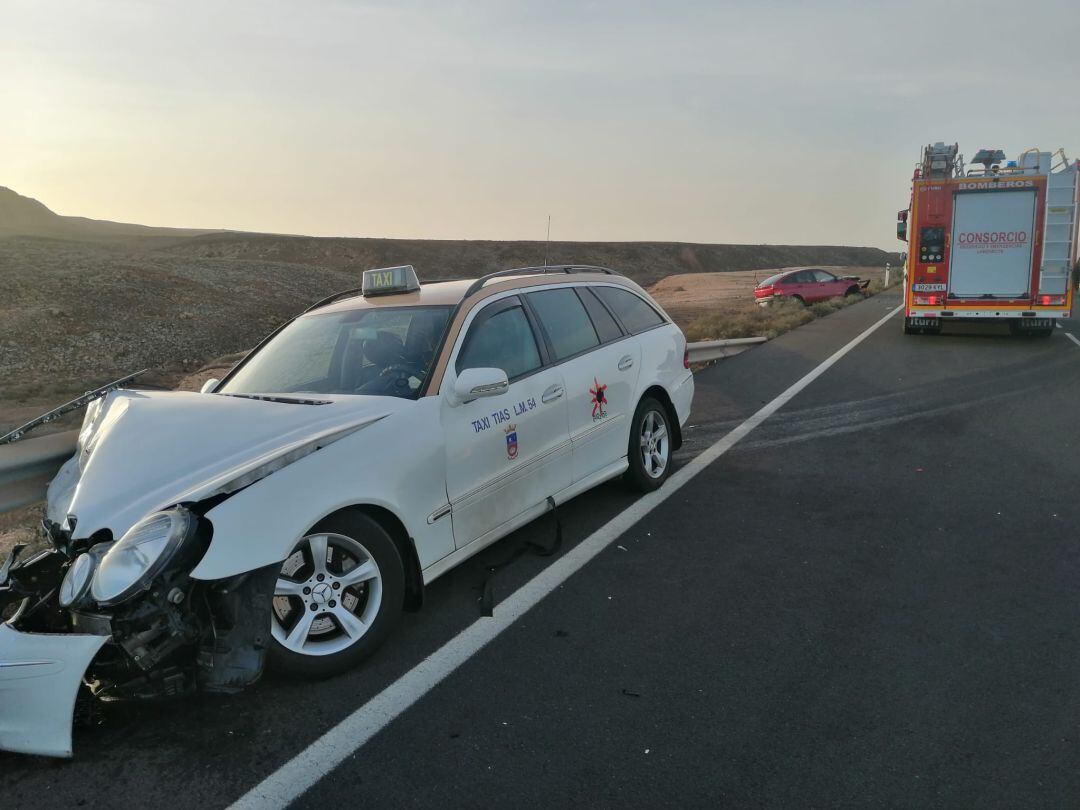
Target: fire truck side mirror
point(901, 231)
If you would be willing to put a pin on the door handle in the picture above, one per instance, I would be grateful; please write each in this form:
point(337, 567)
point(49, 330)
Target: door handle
point(626, 363)
point(553, 393)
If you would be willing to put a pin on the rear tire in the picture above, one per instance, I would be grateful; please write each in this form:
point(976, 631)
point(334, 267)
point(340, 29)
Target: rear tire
point(354, 598)
point(1014, 329)
point(649, 448)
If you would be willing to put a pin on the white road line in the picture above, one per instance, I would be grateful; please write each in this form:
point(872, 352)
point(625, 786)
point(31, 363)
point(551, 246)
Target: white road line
point(1072, 337)
point(1058, 325)
point(292, 779)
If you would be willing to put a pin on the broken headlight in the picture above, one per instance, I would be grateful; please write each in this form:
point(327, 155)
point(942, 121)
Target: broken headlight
point(77, 580)
point(140, 555)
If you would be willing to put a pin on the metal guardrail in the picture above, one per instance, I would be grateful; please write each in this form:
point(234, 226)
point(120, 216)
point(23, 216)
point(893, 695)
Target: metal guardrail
point(707, 350)
point(27, 466)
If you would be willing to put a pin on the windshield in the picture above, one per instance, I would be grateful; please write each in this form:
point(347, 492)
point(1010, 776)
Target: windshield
point(382, 351)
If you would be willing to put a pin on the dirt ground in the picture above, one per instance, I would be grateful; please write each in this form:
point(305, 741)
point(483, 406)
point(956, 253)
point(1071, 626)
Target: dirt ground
point(688, 296)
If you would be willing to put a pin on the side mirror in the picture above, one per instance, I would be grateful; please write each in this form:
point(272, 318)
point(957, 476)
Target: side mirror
point(474, 383)
point(209, 386)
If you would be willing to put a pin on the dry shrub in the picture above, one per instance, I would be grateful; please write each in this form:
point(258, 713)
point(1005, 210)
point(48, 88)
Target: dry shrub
point(749, 319)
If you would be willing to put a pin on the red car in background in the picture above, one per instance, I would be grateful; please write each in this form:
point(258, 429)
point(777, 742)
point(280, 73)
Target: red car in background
point(807, 286)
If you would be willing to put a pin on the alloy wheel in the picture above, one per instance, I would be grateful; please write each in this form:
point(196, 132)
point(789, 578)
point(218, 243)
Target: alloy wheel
point(327, 595)
point(655, 444)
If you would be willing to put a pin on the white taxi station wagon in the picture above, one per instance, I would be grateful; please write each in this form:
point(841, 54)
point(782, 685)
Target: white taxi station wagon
point(288, 513)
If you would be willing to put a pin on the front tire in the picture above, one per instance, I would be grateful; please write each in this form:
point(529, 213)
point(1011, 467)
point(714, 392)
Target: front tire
point(339, 594)
point(649, 451)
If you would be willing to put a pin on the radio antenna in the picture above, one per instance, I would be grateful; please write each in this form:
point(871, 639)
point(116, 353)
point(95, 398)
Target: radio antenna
point(547, 244)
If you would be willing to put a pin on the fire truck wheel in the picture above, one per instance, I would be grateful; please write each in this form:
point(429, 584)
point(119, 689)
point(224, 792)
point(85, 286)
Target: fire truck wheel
point(1014, 328)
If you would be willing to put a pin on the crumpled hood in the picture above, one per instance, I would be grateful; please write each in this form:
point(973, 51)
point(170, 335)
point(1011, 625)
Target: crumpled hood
point(155, 448)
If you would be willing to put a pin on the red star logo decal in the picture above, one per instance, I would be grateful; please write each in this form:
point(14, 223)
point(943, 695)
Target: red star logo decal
point(599, 400)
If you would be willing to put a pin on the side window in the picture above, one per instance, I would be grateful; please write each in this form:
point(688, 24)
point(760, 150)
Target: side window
point(564, 319)
point(822, 275)
point(606, 328)
point(635, 314)
point(503, 340)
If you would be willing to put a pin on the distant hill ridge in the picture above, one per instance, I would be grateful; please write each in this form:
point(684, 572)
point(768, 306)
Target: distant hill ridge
point(646, 262)
point(25, 216)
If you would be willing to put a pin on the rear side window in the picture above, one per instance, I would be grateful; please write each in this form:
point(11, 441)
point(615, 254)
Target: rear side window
point(606, 328)
point(635, 314)
point(821, 275)
point(504, 340)
point(563, 317)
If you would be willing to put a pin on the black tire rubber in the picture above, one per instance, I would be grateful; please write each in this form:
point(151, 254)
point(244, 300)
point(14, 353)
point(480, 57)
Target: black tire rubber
point(1014, 329)
point(375, 539)
point(852, 290)
point(799, 299)
point(635, 475)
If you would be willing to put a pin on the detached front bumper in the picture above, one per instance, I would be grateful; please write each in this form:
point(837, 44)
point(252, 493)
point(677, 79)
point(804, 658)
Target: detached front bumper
point(40, 676)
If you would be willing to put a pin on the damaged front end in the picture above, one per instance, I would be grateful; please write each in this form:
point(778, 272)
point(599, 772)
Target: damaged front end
point(108, 619)
point(112, 609)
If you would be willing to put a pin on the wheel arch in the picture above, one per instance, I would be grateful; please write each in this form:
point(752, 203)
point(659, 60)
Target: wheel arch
point(660, 393)
point(393, 525)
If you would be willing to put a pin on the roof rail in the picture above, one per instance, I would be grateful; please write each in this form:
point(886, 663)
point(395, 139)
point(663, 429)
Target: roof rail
point(477, 285)
point(480, 282)
point(334, 297)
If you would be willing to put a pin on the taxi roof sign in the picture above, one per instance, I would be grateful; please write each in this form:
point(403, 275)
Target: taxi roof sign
point(390, 280)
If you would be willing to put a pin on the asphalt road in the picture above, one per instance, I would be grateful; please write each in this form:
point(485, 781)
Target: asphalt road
point(871, 600)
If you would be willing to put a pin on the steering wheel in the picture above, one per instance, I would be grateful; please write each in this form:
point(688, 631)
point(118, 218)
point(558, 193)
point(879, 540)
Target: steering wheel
point(398, 374)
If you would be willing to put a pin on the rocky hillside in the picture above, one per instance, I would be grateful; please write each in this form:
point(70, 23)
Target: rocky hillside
point(87, 301)
point(645, 262)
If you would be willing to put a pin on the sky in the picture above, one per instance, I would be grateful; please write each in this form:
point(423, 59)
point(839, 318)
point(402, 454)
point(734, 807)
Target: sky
point(751, 122)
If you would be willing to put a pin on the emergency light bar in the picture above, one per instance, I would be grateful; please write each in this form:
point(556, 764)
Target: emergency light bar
point(389, 280)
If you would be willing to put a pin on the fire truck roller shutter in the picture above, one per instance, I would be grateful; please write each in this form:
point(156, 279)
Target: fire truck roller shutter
point(992, 238)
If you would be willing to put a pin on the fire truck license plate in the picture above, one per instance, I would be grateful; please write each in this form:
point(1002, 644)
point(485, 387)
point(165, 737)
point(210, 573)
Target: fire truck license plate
point(924, 321)
point(1035, 323)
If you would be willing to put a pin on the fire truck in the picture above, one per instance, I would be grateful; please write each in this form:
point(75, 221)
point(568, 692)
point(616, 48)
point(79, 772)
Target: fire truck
point(990, 240)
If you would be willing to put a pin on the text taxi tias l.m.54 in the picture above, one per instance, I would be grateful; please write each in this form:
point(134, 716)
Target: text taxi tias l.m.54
point(289, 512)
